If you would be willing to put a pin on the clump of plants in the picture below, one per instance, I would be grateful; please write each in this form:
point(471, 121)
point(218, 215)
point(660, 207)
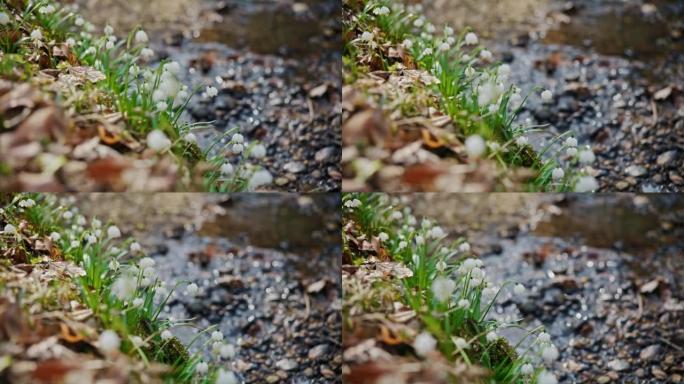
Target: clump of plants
point(116, 281)
point(475, 90)
point(110, 81)
point(449, 291)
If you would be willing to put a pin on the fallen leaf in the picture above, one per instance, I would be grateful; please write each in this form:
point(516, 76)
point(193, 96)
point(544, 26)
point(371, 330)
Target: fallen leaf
point(663, 93)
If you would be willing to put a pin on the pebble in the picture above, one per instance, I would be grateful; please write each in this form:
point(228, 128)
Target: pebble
point(664, 159)
point(650, 352)
point(286, 364)
point(636, 170)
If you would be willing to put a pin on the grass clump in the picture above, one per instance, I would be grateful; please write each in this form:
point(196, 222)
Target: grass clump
point(113, 279)
point(110, 86)
point(474, 90)
point(447, 289)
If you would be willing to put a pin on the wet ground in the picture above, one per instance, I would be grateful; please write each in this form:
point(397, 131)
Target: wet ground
point(616, 69)
point(277, 67)
point(267, 267)
point(604, 276)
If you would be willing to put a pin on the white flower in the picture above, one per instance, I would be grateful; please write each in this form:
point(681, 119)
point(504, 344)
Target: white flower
point(260, 178)
point(383, 236)
point(74, 244)
point(471, 38)
point(192, 289)
point(475, 146)
point(81, 221)
point(544, 337)
point(427, 52)
point(67, 215)
point(408, 44)
point(108, 30)
point(586, 184)
point(70, 42)
point(237, 138)
point(212, 91)
point(436, 232)
point(109, 342)
point(419, 22)
point(519, 289)
point(227, 351)
point(114, 264)
point(521, 141)
point(147, 54)
point(550, 354)
point(36, 34)
point(492, 336)
point(381, 11)
point(546, 96)
point(586, 156)
point(227, 169)
point(138, 302)
point(571, 142)
point(402, 245)
point(91, 239)
point(572, 151)
point(444, 47)
point(109, 45)
point(4, 18)
point(485, 55)
point(476, 273)
point(461, 343)
point(54, 236)
point(141, 37)
point(237, 148)
point(202, 368)
point(166, 334)
point(97, 223)
point(217, 336)
point(448, 31)
point(9, 229)
point(441, 265)
point(420, 240)
point(226, 377)
point(258, 151)
point(162, 106)
point(527, 369)
point(138, 341)
point(546, 377)
point(216, 347)
point(366, 36)
point(442, 288)
point(469, 72)
point(79, 21)
point(464, 247)
point(424, 344)
point(28, 203)
point(124, 287)
point(135, 247)
point(113, 232)
point(558, 174)
point(158, 141)
point(396, 215)
point(464, 303)
point(147, 262)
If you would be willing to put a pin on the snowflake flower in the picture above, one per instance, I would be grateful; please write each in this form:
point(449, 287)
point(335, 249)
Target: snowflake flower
point(587, 157)
point(141, 37)
point(192, 289)
point(124, 287)
point(37, 35)
point(226, 377)
point(546, 377)
point(4, 18)
point(486, 55)
point(544, 337)
point(138, 341)
point(227, 169)
point(260, 178)
point(109, 342)
point(138, 302)
point(9, 229)
point(54, 236)
point(202, 368)
point(546, 96)
point(147, 54)
point(558, 174)
point(527, 369)
point(166, 335)
point(464, 247)
point(135, 247)
point(424, 343)
point(383, 236)
point(158, 141)
point(441, 266)
point(366, 36)
point(519, 289)
point(217, 336)
point(108, 30)
point(464, 303)
point(550, 354)
point(521, 141)
point(442, 288)
point(436, 233)
point(475, 146)
point(237, 148)
point(471, 38)
point(381, 11)
point(113, 232)
point(492, 336)
point(570, 142)
point(258, 151)
point(461, 343)
point(227, 351)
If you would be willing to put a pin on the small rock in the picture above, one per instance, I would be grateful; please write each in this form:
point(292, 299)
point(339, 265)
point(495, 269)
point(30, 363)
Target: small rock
point(325, 154)
point(635, 170)
point(658, 373)
point(318, 351)
point(294, 167)
point(618, 365)
point(650, 352)
point(286, 364)
point(666, 158)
